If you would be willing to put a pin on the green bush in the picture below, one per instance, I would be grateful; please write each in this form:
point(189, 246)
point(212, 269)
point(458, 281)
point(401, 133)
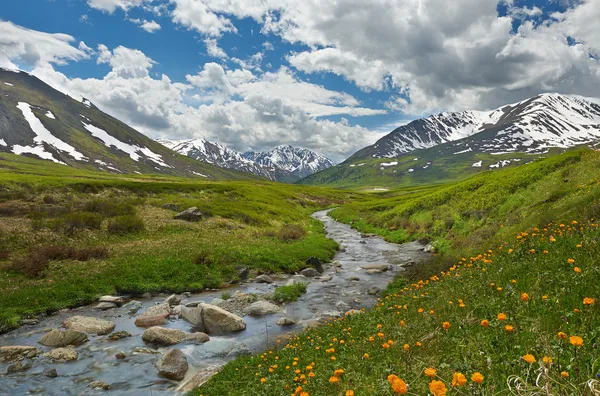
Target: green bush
point(127, 224)
point(71, 222)
point(291, 232)
point(109, 208)
point(289, 293)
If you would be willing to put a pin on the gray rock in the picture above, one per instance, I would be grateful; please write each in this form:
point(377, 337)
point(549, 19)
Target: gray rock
point(173, 300)
point(316, 263)
point(373, 271)
point(326, 278)
point(218, 321)
point(18, 367)
point(112, 299)
point(191, 304)
point(106, 305)
point(186, 294)
point(428, 248)
point(260, 308)
point(167, 337)
point(62, 355)
point(120, 355)
point(373, 291)
point(176, 310)
point(133, 306)
point(363, 242)
point(337, 264)
point(146, 351)
point(50, 373)
point(285, 322)
point(190, 214)
point(218, 348)
point(354, 278)
point(25, 322)
point(146, 295)
point(163, 309)
point(172, 365)
point(150, 321)
point(243, 272)
point(99, 385)
point(217, 301)
point(263, 279)
point(379, 267)
point(199, 378)
point(118, 335)
point(194, 317)
point(59, 338)
point(309, 272)
point(17, 353)
point(89, 325)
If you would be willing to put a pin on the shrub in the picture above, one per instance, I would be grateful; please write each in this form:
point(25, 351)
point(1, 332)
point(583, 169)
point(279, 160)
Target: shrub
point(49, 200)
point(4, 254)
point(127, 224)
point(225, 296)
point(291, 232)
point(72, 222)
point(109, 208)
point(289, 293)
point(38, 259)
point(203, 258)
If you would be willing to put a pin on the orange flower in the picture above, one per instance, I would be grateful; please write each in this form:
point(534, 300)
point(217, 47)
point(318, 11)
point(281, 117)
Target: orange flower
point(509, 328)
point(430, 372)
point(575, 340)
point(570, 261)
point(529, 358)
point(398, 385)
point(458, 379)
point(406, 347)
point(577, 269)
point(304, 394)
point(334, 380)
point(437, 388)
point(564, 374)
point(501, 316)
point(263, 380)
point(366, 356)
point(446, 325)
point(386, 345)
point(349, 393)
point(418, 344)
point(562, 335)
point(338, 372)
point(524, 297)
point(485, 323)
point(588, 301)
point(547, 359)
point(391, 378)
point(477, 377)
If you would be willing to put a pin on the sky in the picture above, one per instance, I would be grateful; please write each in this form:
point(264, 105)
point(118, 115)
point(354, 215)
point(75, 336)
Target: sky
point(331, 76)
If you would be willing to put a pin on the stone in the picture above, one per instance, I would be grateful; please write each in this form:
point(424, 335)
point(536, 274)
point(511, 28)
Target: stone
point(120, 355)
point(316, 263)
point(190, 214)
point(146, 351)
point(263, 279)
point(106, 305)
point(218, 348)
point(25, 322)
point(59, 338)
point(118, 335)
point(260, 308)
point(16, 353)
point(112, 299)
point(290, 282)
point(309, 272)
point(217, 301)
point(373, 271)
point(326, 278)
point(150, 321)
point(18, 367)
point(176, 310)
point(173, 300)
point(167, 337)
point(243, 272)
point(354, 278)
point(147, 295)
point(62, 355)
point(50, 373)
point(337, 264)
point(199, 378)
point(428, 248)
point(99, 385)
point(379, 267)
point(285, 321)
point(172, 365)
point(218, 321)
point(363, 242)
point(191, 304)
point(163, 309)
point(194, 317)
point(373, 291)
point(133, 306)
point(89, 325)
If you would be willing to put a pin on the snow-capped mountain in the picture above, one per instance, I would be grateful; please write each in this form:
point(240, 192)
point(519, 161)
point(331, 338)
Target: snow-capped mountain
point(297, 161)
point(531, 126)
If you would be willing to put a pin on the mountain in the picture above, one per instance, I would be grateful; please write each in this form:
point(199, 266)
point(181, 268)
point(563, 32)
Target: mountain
point(299, 162)
point(38, 121)
point(531, 126)
point(219, 155)
point(452, 146)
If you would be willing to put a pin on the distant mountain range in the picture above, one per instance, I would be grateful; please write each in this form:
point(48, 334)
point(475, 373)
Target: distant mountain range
point(283, 163)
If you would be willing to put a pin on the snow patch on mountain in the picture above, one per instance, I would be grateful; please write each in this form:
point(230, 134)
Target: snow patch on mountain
point(3, 143)
point(297, 161)
point(50, 115)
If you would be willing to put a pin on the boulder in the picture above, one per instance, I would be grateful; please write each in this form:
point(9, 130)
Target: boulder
point(263, 279)
point(18, 367)
point(17, 353)
point(50, 373)
point(99, 385)
point(316, 263)
point(103, 306)
point(373, 291)
point(428, 248)
point(172, 365)
point(218, 348)
point(199, 378)
point(218, 321)
point(191, 304)
point(163, 309)
point(378, 267)
point(373, 271)
point(167, 337)
point(309, 272)
point(59, 338)
point(62, 355)
point(194, 317)
point(217, 301)
point(112, 299)
point(120, 355)
point(354, 278)
point(89, 325)
point(150, 321)
point(243, 272)
point(326, 278)
point(260, 308)
point(190, 214)
point(285, 322)
point(173, 300)
point(118, 335)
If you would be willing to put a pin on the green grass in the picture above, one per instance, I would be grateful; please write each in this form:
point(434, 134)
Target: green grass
point(540, 225)
point(149, 251)
point(289, 293)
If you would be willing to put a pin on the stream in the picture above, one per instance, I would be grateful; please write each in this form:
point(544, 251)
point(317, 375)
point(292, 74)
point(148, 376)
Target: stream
point(350, 287)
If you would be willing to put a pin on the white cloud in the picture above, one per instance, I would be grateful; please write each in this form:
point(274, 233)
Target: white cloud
point(149, 26)
point(213, 49)
point(195, 15)
point(111, 5)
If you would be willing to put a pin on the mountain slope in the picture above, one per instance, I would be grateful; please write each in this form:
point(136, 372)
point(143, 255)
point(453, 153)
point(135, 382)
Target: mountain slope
point(299, 162)
point(39, 121)
point(219, 155)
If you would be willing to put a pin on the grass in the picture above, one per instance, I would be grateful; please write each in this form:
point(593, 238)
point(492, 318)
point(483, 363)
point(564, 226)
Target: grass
point(149, 251)
point(289, 293)
point(514, 309)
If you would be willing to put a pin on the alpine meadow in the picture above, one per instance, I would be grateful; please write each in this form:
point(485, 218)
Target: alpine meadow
point(318, 198)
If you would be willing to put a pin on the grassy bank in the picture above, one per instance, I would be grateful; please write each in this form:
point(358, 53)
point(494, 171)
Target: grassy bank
point(47, 209)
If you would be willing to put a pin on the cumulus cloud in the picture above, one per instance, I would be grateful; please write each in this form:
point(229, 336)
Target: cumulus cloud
point(149, 26)
point(213, 49)
point(111, 5)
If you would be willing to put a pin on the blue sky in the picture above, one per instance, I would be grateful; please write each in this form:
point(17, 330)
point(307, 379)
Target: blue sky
point(330, 76)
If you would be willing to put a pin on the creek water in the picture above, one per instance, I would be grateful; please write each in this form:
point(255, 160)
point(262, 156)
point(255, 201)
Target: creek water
point(350, 287)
